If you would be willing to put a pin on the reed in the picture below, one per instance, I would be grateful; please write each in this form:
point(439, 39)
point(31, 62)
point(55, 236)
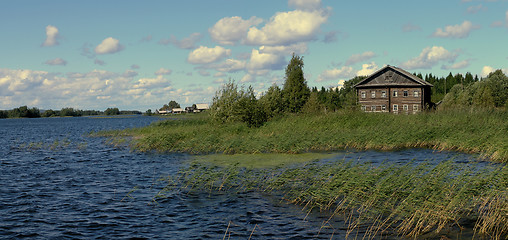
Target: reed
point(405, 201)
point(482, 132)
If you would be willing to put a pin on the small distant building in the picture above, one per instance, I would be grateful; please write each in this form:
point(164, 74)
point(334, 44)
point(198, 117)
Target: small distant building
point(162, 112)
point(392, 89)
point(200, 107)
point(189, 109)
point(177, 110)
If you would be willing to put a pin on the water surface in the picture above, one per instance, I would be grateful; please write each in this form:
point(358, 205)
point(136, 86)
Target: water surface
point(56, 182)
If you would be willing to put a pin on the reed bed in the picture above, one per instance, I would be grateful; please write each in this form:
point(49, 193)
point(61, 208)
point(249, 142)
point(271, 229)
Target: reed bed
point(374, 201)
point(484, 132)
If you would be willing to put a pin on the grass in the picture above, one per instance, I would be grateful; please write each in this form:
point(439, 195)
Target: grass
point(483, 132)
point(405, 201)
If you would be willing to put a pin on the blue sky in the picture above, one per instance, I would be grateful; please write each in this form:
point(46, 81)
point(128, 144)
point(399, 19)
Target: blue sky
point(139, 55)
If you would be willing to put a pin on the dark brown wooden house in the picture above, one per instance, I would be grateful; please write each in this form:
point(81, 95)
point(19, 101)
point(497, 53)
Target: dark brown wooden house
point(392, 89)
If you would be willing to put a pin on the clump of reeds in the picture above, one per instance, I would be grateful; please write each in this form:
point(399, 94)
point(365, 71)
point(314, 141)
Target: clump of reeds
point(410, 200)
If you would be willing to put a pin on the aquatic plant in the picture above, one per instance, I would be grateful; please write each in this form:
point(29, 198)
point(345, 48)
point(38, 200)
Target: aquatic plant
point(410, 200)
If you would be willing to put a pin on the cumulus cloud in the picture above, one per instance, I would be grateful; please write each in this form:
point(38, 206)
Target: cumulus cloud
point(51, 36)
point(355, 58)
point(134, 66)
point(367, 69)
point(486, 70)
point(56, 62)
point(203, 55)
point(308, 5)
point(429, 57)
point(455, 31)
point(109, 45)
point(157, 82)
point(163, 71)
point(185, 43)
point(230, 30)
point(288, 27)
point(297, 48)
point(335, 74)
point(265, 61)
point(458, 65)
point(230, 65)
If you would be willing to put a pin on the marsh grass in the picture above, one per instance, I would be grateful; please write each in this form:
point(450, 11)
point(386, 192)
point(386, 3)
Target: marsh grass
point(405, 201)
point(484, 132)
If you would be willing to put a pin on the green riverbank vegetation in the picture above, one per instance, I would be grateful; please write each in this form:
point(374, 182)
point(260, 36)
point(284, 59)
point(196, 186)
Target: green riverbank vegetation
point(413, 200)
point(296, 119)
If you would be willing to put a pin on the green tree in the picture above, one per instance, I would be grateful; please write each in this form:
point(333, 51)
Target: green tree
point(272, 101)
point(112, 111)
point(313, 106)
point(295, 91)
point(148, 112)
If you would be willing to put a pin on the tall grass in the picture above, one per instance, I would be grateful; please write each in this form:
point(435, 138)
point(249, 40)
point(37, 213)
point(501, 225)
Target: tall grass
point(483, 131)
point(409, 201)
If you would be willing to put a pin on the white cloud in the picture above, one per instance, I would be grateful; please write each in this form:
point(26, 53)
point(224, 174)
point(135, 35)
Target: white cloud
point(429, 57)
point(308, 5)
point(367, 69)
point(109, 45)
point(204, 55)
point(157, 82)
point(51, 36)
point(288, 27)
point(186, 43)
point(163, 71)
point(455, 31)
point(230, 30)
point(334, 74)
point(297, 48)
point(458, 65)
point(230, 65)
point(486, 70)
point(56, 61)
point(476, 9)
point(265, 61)
point(355, 58)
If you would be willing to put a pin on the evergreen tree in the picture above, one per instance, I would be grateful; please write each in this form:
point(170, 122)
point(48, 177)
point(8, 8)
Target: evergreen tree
point(295, 90)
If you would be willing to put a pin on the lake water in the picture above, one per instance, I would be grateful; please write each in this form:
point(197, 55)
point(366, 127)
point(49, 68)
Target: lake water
point(56, 182)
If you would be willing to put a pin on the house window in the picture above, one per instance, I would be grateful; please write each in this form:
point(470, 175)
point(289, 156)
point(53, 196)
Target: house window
point(363, 94)
point(395, 93)
point(415, 108)
point(364, 108)
point(406, 94)
point(373, 94)
point(373, 108)
point(405, 107)
point(416, 93)
point(383, 107)
point(395, 107)
point(383, 94)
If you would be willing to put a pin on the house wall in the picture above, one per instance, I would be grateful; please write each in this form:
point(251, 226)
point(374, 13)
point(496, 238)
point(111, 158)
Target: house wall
point(373, 99)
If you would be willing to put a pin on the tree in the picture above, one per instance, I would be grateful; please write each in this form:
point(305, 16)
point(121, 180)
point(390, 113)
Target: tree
point(272, 101)
point(112, 111)
point(173, 104)
point(295, 91)
point(148, 112)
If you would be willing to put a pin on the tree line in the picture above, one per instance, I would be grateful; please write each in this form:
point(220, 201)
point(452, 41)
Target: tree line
point(239, 103)
point(25, 112)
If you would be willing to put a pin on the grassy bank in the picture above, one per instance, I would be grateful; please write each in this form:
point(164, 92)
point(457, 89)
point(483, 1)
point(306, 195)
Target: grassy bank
point(425, 201)
point(484, 132)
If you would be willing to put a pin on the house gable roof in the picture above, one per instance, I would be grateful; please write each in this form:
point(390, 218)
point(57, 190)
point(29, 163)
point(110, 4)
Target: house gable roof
point(392, 76)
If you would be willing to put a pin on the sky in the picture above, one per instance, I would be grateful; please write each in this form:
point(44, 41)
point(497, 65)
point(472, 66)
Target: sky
point(139, 55)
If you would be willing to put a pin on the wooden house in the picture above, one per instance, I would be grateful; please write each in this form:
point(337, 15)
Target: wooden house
point(394, 90)
point(200, 107)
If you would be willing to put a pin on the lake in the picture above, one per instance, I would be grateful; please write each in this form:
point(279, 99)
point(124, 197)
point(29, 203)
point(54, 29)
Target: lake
point(57, 182)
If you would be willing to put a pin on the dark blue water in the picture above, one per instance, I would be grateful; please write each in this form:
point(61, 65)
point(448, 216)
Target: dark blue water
point(56, 182)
